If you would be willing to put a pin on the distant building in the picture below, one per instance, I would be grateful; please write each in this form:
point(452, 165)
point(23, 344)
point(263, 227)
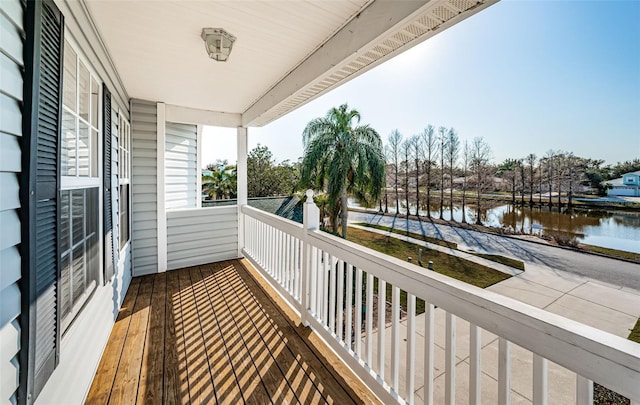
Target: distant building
point(627, 185)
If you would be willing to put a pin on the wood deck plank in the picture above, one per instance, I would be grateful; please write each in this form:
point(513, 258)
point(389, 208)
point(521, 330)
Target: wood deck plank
point(125, 387)
point(105, 375)
point(271, 375)
point(212, 333)
point(299, 381)
point(251, 385)
point(332, 387)
point(201, 390)
point(175, 365)
point(152, 371)
point(223, 373)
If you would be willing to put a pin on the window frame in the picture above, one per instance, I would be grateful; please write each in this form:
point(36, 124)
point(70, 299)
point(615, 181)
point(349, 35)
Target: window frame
point(71, 183)
point(124, 177)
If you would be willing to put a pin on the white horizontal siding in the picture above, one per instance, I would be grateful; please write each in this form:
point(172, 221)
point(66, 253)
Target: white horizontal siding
point(144, 212)
point(201, 235)
point(180, 165)
point(11, 97)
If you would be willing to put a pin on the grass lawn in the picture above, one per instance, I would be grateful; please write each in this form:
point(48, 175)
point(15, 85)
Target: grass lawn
point(461, 269)
point(635, 333)
point(518, 264)
point(413, 235)
point(612, 252)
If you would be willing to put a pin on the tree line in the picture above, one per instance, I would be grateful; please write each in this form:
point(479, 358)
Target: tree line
point(437, 161)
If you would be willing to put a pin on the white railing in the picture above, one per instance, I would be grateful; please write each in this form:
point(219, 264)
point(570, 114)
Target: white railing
point(340, 289)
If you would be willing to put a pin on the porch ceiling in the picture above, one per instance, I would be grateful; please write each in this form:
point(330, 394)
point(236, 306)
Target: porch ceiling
point(286, 53)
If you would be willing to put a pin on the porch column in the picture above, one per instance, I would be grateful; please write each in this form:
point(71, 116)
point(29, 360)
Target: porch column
point(242, 183)
point(161, 208)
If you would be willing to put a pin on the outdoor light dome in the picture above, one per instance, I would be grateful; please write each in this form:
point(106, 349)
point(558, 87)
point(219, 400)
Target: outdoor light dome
point(218, 43)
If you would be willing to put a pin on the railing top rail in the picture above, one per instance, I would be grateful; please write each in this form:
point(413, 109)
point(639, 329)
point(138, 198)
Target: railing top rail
point(284, 224)
point(590, 352)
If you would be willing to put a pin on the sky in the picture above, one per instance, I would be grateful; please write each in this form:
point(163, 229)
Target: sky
point(527, 76)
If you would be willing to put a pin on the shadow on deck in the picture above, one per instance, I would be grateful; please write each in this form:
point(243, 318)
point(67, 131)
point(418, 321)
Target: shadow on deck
point(212, 334)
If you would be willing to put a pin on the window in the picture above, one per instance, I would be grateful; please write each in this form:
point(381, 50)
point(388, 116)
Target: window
point(124, 171)
point(80, 202)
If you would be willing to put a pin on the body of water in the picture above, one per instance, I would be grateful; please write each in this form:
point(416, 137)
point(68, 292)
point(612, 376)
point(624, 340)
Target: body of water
point(611, 229)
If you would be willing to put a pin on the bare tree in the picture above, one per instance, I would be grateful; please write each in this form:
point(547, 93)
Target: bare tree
point(560, 171)
point(531, 162)
point(550, 159)
point(452, 154)
point(523, 180)
point(393, 154)
point(576, 168)
point(416, 145)
point(466, 154)
point(406, 164)
point(508, 171)
point(429, 143)
point(442, 137)
point(480, 157)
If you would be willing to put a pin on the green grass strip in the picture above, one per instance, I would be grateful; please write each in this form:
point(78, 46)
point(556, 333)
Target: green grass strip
point(413, 235)
point(518, 264)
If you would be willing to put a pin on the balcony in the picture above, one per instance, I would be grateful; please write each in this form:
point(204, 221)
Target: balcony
point(212, 334)
point(444, 341)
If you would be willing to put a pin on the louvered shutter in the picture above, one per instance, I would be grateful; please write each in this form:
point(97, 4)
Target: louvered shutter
point(40, 196)
point(109, 259)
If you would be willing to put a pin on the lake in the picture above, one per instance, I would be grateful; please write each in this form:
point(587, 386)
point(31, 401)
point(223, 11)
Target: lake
point(612, 229)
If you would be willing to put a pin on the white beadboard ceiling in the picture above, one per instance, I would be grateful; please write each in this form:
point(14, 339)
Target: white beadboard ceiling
point(287, 52)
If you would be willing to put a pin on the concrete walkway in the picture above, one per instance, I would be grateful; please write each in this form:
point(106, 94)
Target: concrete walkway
point(611, 308)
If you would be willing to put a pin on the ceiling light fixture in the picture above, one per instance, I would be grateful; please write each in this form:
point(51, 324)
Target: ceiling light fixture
point(218, 43)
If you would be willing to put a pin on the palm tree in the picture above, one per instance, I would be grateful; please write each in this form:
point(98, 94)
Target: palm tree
point(343, 158)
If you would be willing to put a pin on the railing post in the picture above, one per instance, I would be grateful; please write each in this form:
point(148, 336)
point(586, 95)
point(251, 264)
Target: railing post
point(310, 222)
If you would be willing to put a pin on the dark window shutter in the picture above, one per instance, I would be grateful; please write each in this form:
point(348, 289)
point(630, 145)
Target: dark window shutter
point(109, 259)
point(39, 193)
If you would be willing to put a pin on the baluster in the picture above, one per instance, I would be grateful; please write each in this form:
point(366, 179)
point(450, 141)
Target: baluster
point(369, 314)
point(504, 371)
point(349, 307)
point(475, 364)
point(584, 391)
point(312, 275)
point(540, 367)
point(382, 306)
point(325, 272)
point(450, 360)
point(395, 338)
point(357, 328)
point(320, 276)
point(332, 294)
point(340, 292)
point(410, 378)
point(429, 333)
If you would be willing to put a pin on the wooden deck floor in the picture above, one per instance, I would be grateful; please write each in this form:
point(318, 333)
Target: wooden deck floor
point(212, 334)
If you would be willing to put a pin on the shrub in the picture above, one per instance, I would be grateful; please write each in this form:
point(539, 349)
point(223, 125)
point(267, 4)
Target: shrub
point(564, 239)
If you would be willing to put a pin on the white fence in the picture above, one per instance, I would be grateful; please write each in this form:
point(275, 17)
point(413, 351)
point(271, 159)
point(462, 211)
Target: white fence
point(432, 355)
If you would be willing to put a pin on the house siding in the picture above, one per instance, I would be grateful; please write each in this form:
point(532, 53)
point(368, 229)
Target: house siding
point(201, 235)
point(11, 96)
point(181, 166)
point(144, 196)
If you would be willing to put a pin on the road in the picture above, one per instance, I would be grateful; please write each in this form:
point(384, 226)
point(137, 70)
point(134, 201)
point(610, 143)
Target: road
point(616, 272)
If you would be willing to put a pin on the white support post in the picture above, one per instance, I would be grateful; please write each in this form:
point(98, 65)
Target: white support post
point(160, 185)
point(311, 222)
point(242, 183)
point(504, 371)
point(199, 166)
point(584, 391)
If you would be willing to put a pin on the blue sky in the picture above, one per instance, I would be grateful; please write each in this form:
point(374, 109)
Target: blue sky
point(527, 76)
